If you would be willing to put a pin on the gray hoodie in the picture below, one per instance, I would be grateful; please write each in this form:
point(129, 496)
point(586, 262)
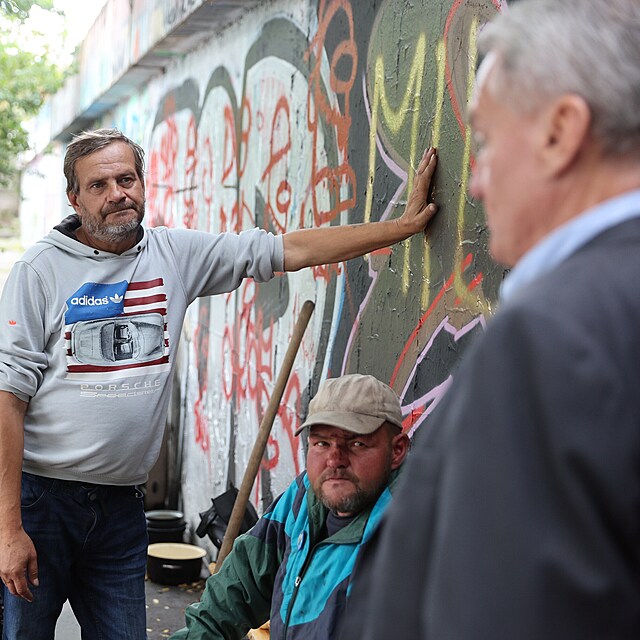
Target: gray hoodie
point(89, 339)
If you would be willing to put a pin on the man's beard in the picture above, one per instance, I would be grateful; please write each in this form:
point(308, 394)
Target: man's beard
point(357, 501)
point(111, 233)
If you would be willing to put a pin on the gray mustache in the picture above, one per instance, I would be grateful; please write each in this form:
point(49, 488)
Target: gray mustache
point(121, 208)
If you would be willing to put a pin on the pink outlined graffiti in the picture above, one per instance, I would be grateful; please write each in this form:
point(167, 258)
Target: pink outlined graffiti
point(417, 411)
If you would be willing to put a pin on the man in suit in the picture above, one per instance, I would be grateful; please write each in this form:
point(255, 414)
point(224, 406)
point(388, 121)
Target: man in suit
point(519, 514)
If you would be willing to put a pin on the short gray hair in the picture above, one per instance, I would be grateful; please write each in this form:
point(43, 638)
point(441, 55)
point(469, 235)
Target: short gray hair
point(89, 142)
point(547, 48)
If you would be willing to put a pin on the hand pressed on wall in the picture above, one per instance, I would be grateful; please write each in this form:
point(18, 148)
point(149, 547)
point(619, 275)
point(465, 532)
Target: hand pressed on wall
point(419, 209)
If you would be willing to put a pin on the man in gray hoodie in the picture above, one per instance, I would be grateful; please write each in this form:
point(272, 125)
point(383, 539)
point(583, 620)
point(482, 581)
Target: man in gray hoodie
point(91, 318)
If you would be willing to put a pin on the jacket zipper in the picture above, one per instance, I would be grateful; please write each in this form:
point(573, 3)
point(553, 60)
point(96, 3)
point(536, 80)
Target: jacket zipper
point(296, 586)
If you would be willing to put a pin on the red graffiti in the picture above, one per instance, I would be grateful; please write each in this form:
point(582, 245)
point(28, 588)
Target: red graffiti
point(229, 147)
point(452, 16)
point(162, 176)
point(279, 148)
point(190, 166)
point(334, 180)
point(245, 121)
point(206, 181)
point(201, 340)
point(288, 413)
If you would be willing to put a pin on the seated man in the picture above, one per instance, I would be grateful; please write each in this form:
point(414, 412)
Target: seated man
point(296, 564)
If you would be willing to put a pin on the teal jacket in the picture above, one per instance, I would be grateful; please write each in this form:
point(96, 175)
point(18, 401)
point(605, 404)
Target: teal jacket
point(280, 570)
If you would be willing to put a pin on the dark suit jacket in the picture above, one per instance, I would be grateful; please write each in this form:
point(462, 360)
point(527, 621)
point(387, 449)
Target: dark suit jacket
point(519, 513)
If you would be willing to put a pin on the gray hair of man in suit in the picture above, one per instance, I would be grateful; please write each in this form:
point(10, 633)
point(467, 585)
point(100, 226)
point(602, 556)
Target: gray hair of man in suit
point(567, 71)
point(539, 61)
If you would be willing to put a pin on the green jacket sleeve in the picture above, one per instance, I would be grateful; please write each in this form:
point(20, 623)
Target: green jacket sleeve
point(238, 597)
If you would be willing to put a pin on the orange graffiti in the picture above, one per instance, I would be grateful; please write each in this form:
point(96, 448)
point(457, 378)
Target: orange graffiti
point(341, 178)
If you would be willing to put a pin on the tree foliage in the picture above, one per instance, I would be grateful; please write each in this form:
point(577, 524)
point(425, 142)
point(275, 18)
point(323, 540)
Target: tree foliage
point(19, 9)
point(27, 76)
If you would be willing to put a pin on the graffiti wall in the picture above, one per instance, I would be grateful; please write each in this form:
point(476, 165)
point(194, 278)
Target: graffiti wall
point(314, 114)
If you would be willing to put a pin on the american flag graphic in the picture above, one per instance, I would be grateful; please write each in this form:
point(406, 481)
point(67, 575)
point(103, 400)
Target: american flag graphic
point(137, 338)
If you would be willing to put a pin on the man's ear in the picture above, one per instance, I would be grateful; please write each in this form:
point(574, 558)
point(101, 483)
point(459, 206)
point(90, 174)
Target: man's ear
point(73, 200)
point(566, 130)
point(400, 445)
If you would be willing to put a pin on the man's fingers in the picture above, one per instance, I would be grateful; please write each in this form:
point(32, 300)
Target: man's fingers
point(425, 174)
point(423, 177)
point(432, 209)
point(428, 162)
point(32, 570)
point(19, 568)
point(18, 585)
point(22, 590)
point(19, 588)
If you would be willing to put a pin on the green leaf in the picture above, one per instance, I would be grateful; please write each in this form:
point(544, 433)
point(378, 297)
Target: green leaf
point(26, 80)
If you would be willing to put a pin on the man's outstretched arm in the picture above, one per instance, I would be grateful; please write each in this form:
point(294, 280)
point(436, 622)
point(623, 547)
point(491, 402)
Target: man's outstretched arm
point(324, 245)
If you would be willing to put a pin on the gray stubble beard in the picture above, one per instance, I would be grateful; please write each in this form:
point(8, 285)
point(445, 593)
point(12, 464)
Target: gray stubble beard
point(115, 232)
point(358, 501)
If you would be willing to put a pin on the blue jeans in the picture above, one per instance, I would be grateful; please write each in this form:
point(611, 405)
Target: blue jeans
point(91, 542)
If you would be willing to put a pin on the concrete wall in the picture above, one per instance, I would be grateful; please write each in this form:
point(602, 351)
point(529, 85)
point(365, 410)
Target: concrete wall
point(300, 114)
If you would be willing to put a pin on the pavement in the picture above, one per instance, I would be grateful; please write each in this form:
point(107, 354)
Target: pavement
point(166, 605)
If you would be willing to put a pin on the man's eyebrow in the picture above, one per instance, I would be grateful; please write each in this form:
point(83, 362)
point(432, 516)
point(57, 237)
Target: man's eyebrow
point(347, 436)
point(321, 434)
point(102, 177)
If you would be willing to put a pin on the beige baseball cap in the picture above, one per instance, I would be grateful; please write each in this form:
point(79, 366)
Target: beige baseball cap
point(354, 402)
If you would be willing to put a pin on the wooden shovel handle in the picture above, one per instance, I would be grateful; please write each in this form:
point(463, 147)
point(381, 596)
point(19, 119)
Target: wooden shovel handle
point(253, 466)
